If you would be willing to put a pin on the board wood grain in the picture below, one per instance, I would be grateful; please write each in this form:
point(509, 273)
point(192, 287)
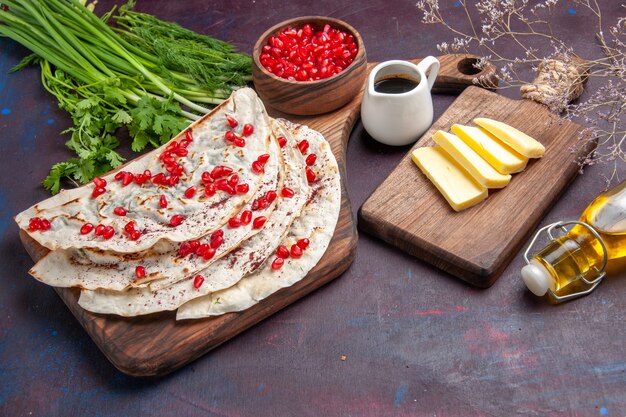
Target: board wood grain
point(157, 344)
point(476, 244)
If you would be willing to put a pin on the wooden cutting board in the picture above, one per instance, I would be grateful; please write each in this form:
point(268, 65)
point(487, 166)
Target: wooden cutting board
point(157, 344)
point(477, 244)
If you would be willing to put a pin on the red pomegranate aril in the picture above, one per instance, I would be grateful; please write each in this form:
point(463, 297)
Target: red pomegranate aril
point(230, 136)
point(45, 224)
point(108, 232)
point(257, 167)
point(197, 281)
point(287, 192)
point(303, 243)
point(231, 121)
point(174, 180)
point(270, 196)
point(184, 143)
point(282, 251)
point(99, 230)
point(119, 211)
point(194, 244)
point(242, 188)
point(310, 160)
point(220, 171)
point(135, 235)
point(34, 224)
point(217, 242)
point(263, 203)
point(282, 141)
point(310, 175)
point(278, 263)
point(128, 178)
point(86, 228)
point(201, 249)
point(207, 178)
point(217, 233)
point(255, 204)
point(182, 152)
point(263, 158)
point(158, 179)
point(100, 182)
point(162, 201)
point(248, 129)
point(184, 249)
point(208, 254)
point(129, 227)
point(259, 222)
point(176, 220)
point(246, 217)
point(241, 142)
point(119, 176)
point(169, 159)
point(189, 135)
point(98, 191)
point(140, 179)
point(296, 251)
point(234, 222)
point(172, 146)
point(303, 146)
point(209, 190)
point(140, 272)
point(190, 192)
point(233, 180)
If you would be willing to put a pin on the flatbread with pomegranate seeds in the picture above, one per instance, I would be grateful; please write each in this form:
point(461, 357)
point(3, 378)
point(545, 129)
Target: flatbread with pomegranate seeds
point(165, 263)
point(226, 271)
point(316, 223)
point(70, 210)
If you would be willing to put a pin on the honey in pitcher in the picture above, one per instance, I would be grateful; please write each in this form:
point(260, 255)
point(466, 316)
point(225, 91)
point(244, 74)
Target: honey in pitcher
point(564, 264)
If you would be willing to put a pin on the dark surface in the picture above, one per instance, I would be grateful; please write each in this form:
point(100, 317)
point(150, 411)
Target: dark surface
point(416, 340)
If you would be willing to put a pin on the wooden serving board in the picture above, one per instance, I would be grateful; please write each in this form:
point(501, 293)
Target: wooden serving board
point(157, 344)
point(477, 244)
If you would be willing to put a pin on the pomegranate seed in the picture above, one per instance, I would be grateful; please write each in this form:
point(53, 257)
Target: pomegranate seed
point(128, 178)
point(263, 158)
point(119, 176)
point(182, 152)
point(34, 224)
point(209, 190)
point(242, 188)
point(108, 232)
point(255, 204)
point(231, 121)
point(86, 229)
point(190, 192)
point(233, 180)
point(176, 220)
point(248, 129)
point(208, 254)
point(234, 222)
point(230, 136)
point(99, 182)
point(207, 178)
point(310, 160)
point(140, 179)
point(172, 146)
point(287, 192)
point(263, 203)
point(257, 167)
point(197, 281)
point(282, 141)
point(194, 244)
point(296, 251)
point(189, 135)
point(278, 263)
point(303, 146)
point(129, 227)
point(45, 224)
point(217, 242)
point(99, 230)
point(270, 196)
point(282, 251)
point(310, 175)
point(220, 171)
point(158, 178)
point(184, 249)
point(98, 191)
point(174, 180)
point(135, 235)
point(217, 233)
point(246, 217)
point(241, 142)
point(258, 222)
point(303, 243)
point(184, 143)
point(162, 201)
point(140, 272)
point(119, 211)
point(201, 249)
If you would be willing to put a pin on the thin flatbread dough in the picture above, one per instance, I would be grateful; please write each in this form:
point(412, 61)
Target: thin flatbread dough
point(317, 223)
point(70, 210)
point(226, 271)
point(92, 269)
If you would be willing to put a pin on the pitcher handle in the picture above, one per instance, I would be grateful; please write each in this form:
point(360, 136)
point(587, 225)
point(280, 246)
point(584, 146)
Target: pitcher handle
point(430, 62)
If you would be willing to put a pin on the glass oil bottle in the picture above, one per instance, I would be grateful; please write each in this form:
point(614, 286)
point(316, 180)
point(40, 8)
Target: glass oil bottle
point(573, 264)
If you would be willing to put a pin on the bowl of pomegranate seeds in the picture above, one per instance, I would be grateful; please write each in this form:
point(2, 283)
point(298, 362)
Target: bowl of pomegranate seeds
point(309, 65)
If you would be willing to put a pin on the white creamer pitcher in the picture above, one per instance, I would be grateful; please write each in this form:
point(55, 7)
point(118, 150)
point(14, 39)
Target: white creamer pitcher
point(399, 118)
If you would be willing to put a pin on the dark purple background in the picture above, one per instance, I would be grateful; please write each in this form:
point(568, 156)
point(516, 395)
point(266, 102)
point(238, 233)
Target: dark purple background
point(417, 341)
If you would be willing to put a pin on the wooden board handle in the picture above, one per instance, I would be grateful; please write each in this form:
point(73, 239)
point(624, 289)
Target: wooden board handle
point(457, 72)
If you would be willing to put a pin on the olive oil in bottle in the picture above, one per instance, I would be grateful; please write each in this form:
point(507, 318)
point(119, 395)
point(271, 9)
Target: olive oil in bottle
point(573, 264)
